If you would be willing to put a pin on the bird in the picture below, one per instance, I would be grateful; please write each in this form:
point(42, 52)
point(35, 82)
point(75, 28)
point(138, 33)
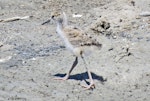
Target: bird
point(77, 41)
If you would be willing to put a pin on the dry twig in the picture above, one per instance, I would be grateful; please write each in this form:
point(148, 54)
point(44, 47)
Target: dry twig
point(14, 19)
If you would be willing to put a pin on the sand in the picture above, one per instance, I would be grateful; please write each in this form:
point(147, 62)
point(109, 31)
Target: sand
point(31, 54)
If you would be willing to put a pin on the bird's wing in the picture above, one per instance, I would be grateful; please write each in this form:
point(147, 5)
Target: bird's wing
point(77, 37)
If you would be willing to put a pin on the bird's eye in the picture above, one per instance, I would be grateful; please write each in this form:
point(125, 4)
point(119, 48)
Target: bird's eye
point(53, 16)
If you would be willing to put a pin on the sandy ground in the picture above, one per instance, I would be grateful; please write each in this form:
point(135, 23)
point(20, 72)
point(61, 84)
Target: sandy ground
point(31, 54)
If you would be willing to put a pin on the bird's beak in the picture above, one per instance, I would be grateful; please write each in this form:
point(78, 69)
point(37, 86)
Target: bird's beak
point(52, 18)
point(46, 22)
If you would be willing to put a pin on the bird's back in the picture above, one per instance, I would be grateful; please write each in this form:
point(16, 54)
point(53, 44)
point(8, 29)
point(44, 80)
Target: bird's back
point(79, 38)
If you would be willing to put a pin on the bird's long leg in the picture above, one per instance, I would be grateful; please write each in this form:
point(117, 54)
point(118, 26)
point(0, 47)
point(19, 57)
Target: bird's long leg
point(92, 85)
point(68, 74)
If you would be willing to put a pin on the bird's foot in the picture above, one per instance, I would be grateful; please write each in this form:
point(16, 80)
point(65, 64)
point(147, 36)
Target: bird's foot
point(87, 87)
point(62, 78)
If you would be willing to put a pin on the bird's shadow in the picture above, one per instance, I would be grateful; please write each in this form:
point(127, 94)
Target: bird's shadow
point(83, 76)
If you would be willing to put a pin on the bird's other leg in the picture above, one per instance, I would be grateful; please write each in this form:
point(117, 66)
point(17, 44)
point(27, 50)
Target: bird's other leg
point(91, 85)
point(68, 74)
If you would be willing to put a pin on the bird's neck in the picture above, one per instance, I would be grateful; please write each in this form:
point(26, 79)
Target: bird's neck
point(63, 36)
point(65, 21)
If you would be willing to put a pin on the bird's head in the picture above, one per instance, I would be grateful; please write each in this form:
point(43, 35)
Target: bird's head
point(55, 16)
